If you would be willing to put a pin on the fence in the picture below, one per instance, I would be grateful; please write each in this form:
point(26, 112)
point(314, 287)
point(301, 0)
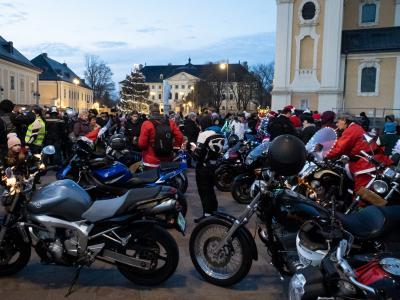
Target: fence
point(375, 115)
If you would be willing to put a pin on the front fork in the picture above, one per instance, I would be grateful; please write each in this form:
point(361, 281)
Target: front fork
point(243, 219)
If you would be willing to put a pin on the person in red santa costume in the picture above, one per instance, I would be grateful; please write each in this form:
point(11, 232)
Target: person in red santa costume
point(293, 117)
point(351, 143)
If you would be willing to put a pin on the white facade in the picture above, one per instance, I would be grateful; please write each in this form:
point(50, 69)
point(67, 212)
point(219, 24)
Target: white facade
point(18, 83)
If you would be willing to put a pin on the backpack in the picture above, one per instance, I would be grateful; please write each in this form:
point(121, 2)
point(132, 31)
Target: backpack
point(163, 142)
point(6, 127)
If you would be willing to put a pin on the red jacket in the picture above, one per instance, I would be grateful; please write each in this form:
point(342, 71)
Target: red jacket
point(351, 143)
point(295, 121)
point(146, 142)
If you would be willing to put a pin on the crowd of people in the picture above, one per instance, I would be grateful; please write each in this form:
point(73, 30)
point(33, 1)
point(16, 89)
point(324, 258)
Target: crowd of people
point(156, 136)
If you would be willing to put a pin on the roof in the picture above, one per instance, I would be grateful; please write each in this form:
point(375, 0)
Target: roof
point(9, 53)
point(153, 73)
point(371, 40)
point(55, 71)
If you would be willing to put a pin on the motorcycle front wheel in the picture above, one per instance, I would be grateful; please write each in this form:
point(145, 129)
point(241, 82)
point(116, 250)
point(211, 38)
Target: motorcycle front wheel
point(223, 178)
point(227, 267)
point(14, 253)
point(241, 190)
point(156, 245)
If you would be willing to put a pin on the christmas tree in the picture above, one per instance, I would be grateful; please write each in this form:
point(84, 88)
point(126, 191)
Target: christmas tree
point(134, 92)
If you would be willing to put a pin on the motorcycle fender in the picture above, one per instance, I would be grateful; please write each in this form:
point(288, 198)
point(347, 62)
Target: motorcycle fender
point(245, 177)
point(319, 174)
point(249, 237)
point(143, 224)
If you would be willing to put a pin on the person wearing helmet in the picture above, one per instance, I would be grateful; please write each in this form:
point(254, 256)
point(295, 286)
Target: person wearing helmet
point(56, 133)
point(206, 153)
point(351, 143)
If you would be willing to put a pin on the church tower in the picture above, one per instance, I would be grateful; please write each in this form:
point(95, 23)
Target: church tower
point(308, 64)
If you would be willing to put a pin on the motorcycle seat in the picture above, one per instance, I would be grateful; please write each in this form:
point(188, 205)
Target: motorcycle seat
point(108, 208)
point(372, 221)
point(149, 176)
point(169, 166)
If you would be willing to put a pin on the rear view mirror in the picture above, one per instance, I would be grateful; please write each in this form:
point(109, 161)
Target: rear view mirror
point(368, 138)
point(49, 150)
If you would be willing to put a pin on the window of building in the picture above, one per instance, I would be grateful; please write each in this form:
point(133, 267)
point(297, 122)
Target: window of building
point(159, 96)
point(152, 97)
point(223, 107)
point(189, 86)
point(177, 86)
point(368, 78)
point(12, 83)
point(231, 97)
point(183, 86)
point(170, 96)
point(152, 87)
point(22, 85)
point(159, 87)
point(223, 96)
point(32, 87)
point(308, 11)
point(65, 93)
point(176, 96)
point(304, 104)
point(369, 12)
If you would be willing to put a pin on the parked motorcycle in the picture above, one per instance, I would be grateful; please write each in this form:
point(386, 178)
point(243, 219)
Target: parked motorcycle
point(222, 248)
point(66, 228)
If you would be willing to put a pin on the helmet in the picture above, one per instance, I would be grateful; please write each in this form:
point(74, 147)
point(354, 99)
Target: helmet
point(118, 141)
point(84, 146)
point(71, 113)
point(232, 140)
point(216, 144)
point(286, 155)
point(311, 244)
point(53, 110)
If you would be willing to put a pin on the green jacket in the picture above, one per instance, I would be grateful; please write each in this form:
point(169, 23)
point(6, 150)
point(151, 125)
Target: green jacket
point(36, 132)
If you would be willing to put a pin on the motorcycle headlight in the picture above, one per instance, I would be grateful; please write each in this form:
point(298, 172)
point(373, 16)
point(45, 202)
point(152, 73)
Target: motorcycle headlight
point(296, 287)
point(380, 187)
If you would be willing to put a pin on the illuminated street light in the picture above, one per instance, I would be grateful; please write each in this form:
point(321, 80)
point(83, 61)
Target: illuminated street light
point(76, 81)
point(222, 66)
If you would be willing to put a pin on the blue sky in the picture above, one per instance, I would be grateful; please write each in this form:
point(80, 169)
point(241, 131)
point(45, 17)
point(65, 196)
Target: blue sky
point(127, 32)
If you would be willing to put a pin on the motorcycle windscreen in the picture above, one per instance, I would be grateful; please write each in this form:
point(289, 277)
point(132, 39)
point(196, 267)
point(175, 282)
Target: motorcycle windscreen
point(326, 137)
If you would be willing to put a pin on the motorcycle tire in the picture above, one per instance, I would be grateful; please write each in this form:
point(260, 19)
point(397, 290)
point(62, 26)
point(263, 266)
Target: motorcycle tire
point(241, 190)
point(150, 242)
point(13, 244)
point(208, 264)
point(223, 179)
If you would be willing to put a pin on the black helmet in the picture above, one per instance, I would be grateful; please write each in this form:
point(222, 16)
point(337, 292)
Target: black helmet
point(117, 142)
point(84, 146)
point(233, 140)
point(286, 155)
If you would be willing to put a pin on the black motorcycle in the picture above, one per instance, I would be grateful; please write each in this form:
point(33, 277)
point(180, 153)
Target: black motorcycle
point(62, 224)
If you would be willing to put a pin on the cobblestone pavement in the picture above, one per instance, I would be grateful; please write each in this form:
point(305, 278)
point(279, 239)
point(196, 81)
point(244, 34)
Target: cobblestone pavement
point(102, 281)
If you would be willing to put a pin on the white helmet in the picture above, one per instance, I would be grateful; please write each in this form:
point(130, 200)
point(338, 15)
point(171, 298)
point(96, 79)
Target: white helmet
point(216, 143)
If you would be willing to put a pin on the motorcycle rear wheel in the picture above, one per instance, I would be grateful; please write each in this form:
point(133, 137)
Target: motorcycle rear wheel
point(241, 191)
point(157, 245)
point(227, 267)
point(14, 254)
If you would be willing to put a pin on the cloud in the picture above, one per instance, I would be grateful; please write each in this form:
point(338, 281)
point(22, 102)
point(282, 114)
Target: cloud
point(150, 29)
point(111, 44)
point(11, 14)
point(53, 49)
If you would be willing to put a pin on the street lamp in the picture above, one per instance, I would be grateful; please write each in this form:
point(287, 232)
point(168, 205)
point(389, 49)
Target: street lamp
point(76, 81)
point(225, 66)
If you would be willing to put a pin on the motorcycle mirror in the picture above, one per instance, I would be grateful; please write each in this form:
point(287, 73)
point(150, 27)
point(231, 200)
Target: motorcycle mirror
point(368, 138)
point(49, 150)
point(344, 159)
point(341, 251)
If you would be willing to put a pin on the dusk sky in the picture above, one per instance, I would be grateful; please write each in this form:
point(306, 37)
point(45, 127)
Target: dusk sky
point(124, 32)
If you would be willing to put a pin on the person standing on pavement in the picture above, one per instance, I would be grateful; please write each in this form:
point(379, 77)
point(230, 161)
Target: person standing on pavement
point(158, 137)
point(309, 128)
point(36, 132)
point(132, 130)
point(281, 124)
point(82, 126)
point(55, 135)
point(191, 129)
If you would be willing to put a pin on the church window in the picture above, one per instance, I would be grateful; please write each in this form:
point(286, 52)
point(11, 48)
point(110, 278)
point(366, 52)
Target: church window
point(308, 11)
point(368, 80)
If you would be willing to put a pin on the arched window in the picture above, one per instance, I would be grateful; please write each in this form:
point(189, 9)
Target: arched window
point(368, 80)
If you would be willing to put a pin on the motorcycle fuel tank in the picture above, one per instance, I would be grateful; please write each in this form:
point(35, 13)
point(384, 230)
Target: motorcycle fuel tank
point(62, 198)
point(114, 174)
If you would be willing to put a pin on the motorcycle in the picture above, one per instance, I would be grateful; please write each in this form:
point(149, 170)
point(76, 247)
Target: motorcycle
point(222, 249)
point(64, 227)
point(242, 183)
point(232, 165)
point(104, 172)
point(376, 277)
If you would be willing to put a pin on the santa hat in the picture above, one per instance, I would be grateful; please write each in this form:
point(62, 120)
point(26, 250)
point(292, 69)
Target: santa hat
point(12, 140)
point(290, 107)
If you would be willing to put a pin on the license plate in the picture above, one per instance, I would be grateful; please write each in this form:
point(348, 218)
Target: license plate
point(181, 222)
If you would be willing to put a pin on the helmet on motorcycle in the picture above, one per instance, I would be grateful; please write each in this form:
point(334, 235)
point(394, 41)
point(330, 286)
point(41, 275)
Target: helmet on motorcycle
point(216, 143)
point(71, 113)
point(53, 110)
point(286, 155)
point(232, 140)
point(118, 141)
point(311, 244)
point(85, 146)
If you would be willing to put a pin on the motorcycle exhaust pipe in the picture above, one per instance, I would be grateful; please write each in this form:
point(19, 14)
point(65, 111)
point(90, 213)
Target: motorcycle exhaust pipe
point(163, 207)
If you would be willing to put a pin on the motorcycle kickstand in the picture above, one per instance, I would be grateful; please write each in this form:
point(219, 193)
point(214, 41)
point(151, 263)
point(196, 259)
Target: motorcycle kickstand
point(74, 280)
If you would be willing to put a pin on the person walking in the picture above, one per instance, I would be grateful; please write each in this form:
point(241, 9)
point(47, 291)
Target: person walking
point(132, 130)
point(36, 132)
point(55, 134)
